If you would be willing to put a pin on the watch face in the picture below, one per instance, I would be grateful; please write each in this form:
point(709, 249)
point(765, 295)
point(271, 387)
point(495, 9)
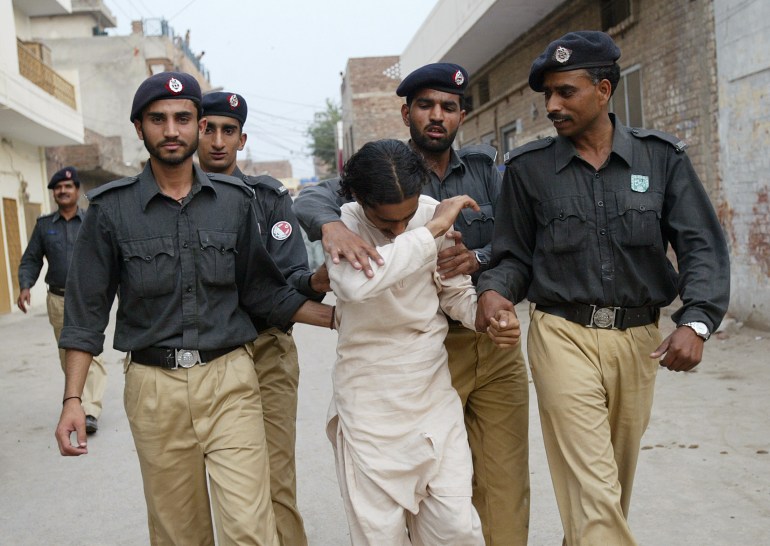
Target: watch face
point(699, 328)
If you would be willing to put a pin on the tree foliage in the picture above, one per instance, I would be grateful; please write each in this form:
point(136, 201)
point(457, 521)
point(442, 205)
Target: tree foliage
point(322, 131)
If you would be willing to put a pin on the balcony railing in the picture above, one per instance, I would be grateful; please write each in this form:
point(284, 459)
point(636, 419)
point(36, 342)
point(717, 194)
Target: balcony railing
point(45, 77)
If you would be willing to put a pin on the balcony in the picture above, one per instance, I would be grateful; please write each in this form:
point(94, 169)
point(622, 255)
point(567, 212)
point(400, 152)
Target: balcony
point(32, 67)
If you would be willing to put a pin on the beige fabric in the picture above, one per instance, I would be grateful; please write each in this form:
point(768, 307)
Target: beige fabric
point(96, 380)
point(375, 519)
point(394, 411)
point(277, 365)
point(187, 423)
point(494, 389)
point(595, 389)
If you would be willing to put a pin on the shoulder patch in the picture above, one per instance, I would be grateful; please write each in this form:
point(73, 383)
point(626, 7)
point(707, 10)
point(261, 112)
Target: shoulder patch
point(268, 182)
point(104, 188)
point(484, 150)
point(232, 180)
point(528, 147)
point(678, 144)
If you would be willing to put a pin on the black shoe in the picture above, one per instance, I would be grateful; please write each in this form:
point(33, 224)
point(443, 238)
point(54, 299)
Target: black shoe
point(91, 424)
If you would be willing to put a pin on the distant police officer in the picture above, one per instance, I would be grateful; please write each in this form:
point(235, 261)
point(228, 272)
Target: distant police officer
point(584, 222)
point(492, 382)
point(274, 352)
point(54, 237)
point(182, 249)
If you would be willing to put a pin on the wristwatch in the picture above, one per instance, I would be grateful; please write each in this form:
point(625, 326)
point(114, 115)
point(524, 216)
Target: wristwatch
point(699, 328)
point(481, 258)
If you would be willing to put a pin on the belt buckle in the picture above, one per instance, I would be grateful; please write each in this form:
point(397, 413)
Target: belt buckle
point(187, 358)
point(603, 317)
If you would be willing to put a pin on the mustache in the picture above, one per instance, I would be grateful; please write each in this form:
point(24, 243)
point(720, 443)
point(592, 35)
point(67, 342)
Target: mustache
point(436, 127)
point(558, 117)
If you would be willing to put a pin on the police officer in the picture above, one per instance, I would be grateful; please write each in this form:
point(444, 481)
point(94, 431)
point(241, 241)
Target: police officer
point(492, 382)
point(274, 352)
point(588, 218)
point(54, 237)
point(182, 249)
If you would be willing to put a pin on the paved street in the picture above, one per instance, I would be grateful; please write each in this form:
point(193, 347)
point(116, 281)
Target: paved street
point(703, 479)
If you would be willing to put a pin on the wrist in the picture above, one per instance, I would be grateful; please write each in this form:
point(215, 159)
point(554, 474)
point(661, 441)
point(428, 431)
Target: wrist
point(700, 329)
point(71, 397)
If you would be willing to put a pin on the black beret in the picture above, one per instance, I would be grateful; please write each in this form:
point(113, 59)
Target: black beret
point(574, 50)
point(67, 174)
point(231, 105)
point(447, 77)
point(165, 85)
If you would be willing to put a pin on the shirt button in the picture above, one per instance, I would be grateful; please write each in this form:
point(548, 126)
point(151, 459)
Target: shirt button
point(185, 245)
point(561, 215)
point(189, 289)
point(596, 175)
point(603, 232)
point(642, 207)
point(600, 203)
point(147, 258)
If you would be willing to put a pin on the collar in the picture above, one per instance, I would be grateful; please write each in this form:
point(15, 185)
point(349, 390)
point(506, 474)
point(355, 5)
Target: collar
point(621, 146)
point(237, 173)
point(57, 215)
point(455, 162)
point(148, 186)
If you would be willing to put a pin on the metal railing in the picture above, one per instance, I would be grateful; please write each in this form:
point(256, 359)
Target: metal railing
point(45, 77)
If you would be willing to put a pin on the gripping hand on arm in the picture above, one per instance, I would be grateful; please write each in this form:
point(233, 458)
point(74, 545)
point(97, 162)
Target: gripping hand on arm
point(457, 259)
point(339, 242)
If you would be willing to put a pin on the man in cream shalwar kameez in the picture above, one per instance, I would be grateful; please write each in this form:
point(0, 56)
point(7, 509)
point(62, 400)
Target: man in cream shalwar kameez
point(395, 421)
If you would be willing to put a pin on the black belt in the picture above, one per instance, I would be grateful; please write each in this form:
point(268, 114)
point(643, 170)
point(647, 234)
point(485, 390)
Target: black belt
point(56, 290)
point(172, 359)
point(610, 318)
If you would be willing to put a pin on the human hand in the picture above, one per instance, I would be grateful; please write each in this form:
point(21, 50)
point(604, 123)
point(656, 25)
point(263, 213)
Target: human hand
point(24, 298)
point(489, 304)
point(339, 242)
point(504, 328)
point(446, 213)
point(319, 280)
point(458, 259)
point(683, 350)
point(73, 419)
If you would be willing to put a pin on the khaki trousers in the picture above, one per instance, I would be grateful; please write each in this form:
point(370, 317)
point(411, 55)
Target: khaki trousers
point(494, 390)
point(190, 422)
point(96, 380)
point(594, 390)
point(277, 365)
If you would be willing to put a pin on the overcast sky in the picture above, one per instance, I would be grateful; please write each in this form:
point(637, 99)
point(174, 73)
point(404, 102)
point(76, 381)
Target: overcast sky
point(284, 57)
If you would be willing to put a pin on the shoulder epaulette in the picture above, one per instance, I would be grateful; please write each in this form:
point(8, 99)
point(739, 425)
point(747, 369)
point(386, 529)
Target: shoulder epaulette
point(232, 180)
point(485, 150)
point(268, 182)
point(678, 144)
point(104, 188)
point(528, 147)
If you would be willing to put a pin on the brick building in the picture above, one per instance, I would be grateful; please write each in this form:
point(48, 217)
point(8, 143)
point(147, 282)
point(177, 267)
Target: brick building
point(699, 69)
point(370, 108)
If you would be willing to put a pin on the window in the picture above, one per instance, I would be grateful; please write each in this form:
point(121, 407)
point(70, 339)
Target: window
point(483, 88)
point(627, 100)
point(488, 139)
point(614, 12)
point(509, 133)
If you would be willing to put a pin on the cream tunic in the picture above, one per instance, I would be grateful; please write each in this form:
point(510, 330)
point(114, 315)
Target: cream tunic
point(400, 418)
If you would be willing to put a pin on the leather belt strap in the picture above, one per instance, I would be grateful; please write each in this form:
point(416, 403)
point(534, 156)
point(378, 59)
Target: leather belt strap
point(610, 318)
point(56, 290)
point(171, 359)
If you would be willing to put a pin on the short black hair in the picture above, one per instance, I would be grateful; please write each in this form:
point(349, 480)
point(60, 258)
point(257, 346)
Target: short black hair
point(384, 172)
point(611, 73)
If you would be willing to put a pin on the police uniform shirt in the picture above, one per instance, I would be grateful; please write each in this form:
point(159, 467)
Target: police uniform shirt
point(280, 233)
point(189, 275)
point(53, 237)
point(577, 235)
point(471, 171)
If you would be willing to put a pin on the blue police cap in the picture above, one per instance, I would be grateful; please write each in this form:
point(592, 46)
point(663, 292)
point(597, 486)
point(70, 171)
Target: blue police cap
point(573, 51)
point(231, 105)
point(68, 174)
point(165, 85)
point(447, 77)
